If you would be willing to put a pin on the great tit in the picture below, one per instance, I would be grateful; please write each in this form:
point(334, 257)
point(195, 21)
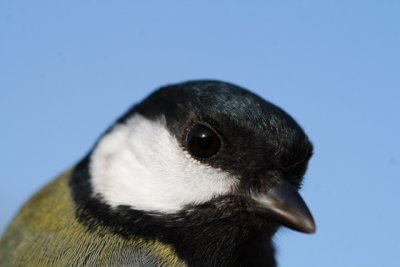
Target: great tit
point(201, 173)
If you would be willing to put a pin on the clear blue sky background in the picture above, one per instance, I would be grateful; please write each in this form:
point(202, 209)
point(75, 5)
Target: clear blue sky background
point(69, 68)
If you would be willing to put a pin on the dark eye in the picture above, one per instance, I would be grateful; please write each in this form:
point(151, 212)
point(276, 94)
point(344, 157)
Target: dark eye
point(202, 141)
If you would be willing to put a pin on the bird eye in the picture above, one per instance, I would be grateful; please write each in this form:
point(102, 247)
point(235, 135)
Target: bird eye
point(202, 141)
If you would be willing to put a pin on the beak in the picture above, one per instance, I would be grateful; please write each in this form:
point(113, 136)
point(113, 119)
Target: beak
point(284, 204)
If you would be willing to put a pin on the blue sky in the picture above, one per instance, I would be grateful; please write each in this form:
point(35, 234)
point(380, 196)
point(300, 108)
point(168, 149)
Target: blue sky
point(68, 69)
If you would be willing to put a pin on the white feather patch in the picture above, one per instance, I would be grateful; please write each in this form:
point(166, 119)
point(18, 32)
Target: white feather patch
point(140, 164)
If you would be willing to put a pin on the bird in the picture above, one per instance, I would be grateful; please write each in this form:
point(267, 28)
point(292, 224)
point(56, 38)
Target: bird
point(200, 173)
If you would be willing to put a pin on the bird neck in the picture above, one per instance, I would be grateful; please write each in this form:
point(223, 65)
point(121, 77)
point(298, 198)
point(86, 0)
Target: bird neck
point(223, 245)
point(201, 237)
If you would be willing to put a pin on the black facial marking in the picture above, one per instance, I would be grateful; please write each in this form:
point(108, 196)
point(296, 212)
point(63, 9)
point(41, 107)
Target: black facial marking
point(229, 128)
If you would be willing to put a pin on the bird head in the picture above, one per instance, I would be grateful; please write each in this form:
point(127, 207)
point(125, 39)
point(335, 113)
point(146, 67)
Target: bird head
point(201, 147)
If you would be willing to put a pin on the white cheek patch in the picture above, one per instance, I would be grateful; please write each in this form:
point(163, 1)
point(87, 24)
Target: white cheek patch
point(140, 164)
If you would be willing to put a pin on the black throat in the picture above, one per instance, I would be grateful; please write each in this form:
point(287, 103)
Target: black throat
point(215, 233)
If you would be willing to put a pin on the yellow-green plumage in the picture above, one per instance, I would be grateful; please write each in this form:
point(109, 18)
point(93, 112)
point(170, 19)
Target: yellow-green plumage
point(46, 233)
